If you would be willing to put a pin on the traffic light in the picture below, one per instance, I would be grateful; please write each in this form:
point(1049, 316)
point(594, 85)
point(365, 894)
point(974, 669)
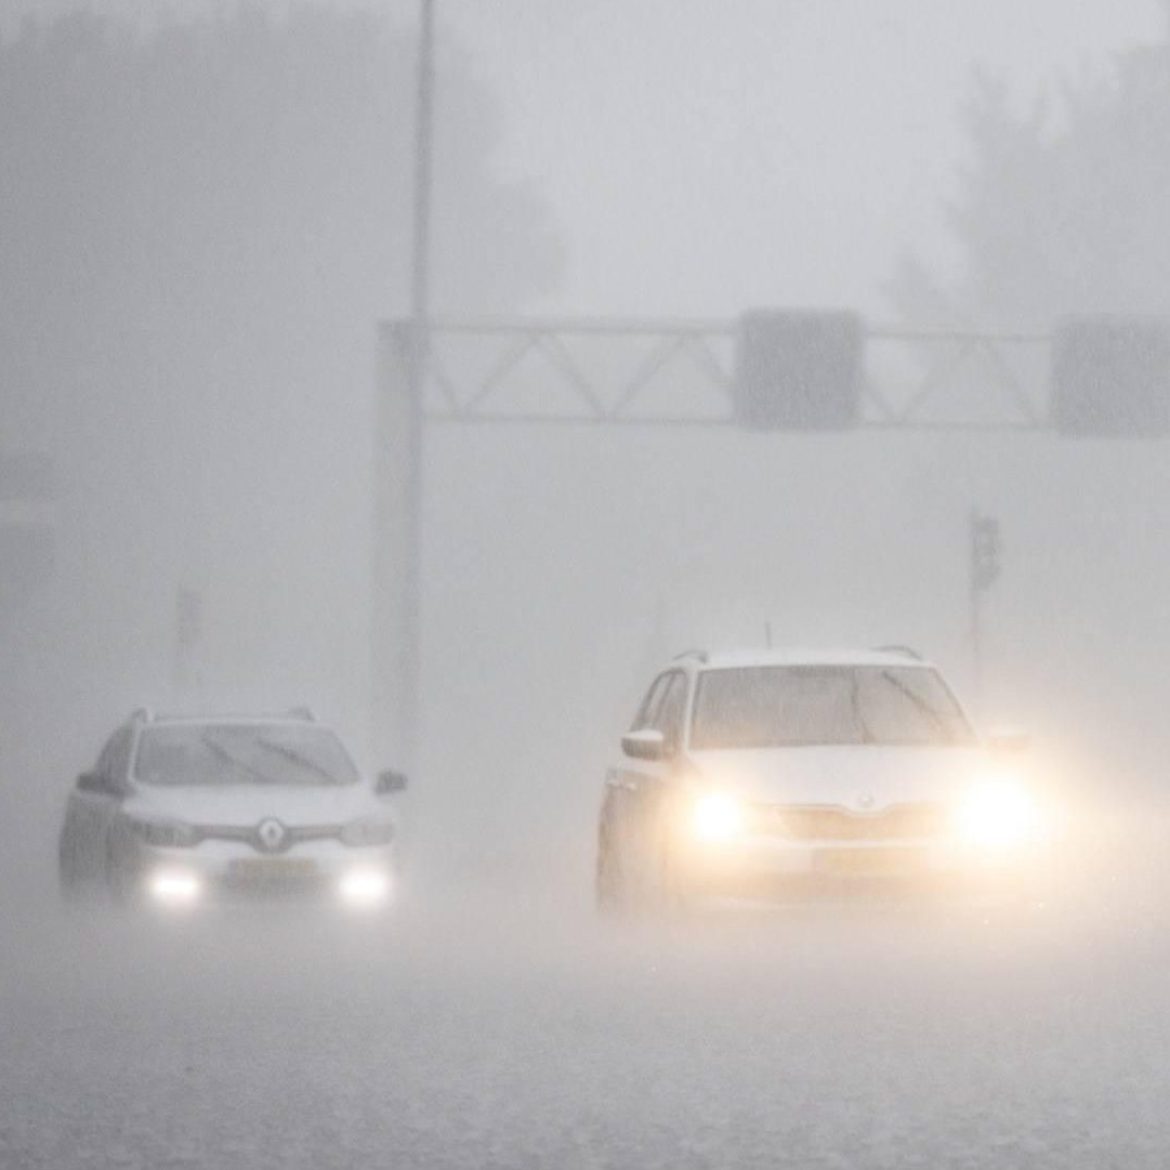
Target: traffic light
point(27, 535)
point(1111, 377)
point(798, 370)
point(985, 551)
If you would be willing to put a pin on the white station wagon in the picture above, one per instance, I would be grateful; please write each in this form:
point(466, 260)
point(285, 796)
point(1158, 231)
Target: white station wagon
point(180, 810)
point(755, 774)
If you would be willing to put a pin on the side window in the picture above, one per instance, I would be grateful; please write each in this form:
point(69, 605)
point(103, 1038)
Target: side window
point(103, 760)
point(648, 711)
point(669, 717)
point(115, 760)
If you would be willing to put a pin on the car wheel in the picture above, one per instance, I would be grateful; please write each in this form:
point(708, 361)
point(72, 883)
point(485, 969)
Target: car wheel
point(70, 883)
point(610, 890)
point(671, 895)
point(119, 889)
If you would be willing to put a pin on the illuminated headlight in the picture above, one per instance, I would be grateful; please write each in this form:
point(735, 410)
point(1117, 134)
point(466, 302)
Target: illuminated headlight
point(717, 817)
point(366, 833)
point(365, 887)
point(174, 887)
point(166, 834)
point(1001, 815)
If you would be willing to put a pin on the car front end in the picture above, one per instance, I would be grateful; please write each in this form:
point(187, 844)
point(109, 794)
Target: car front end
point(238, 809)
point(849, 772)
point(973, 832)
point(178, 865)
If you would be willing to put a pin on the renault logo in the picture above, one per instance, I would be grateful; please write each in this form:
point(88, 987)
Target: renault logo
point(271, 835)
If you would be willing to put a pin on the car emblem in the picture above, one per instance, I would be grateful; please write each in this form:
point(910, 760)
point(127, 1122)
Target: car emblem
point(865, 801)
point(271, 835)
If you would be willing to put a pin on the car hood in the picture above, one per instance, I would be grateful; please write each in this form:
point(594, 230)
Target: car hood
point(864, 777)
point(246, 805)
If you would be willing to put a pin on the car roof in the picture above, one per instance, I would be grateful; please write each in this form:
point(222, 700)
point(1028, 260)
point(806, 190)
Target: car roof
point(732, 659)
point(245, 720)
point(148, 718)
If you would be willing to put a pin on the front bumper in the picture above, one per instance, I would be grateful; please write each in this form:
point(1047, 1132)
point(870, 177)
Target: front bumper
point(768, 866)
point(327, 872)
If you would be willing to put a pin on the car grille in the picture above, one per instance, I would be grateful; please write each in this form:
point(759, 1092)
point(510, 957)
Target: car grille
point(293, 834)
point(900, 821)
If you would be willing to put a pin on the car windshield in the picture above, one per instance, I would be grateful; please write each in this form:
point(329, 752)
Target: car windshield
point(796, 706)
point(226, 754)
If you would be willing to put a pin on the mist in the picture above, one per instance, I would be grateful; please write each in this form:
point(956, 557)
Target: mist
point(205, 212)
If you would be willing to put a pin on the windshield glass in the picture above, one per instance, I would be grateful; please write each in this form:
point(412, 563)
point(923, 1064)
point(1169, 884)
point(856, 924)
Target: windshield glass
point(795, 706)
point(225, 754)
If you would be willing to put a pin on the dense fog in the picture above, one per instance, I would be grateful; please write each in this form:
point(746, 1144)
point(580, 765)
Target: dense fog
point(205, 212)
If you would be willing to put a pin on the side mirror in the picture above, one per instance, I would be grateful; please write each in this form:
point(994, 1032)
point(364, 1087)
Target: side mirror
point(646, 744)
point(93, 782)
point(1008, 739)
point(389, 782)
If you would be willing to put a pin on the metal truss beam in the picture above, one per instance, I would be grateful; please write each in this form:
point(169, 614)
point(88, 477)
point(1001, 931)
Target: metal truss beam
point(645, 372)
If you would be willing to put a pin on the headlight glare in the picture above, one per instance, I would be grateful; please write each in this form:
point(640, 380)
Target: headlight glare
point(998, 815)
point(717, 817)
point(174, 887)
point(365, 887)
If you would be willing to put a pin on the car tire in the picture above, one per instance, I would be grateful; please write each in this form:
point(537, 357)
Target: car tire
point(611, 892)
point(117, 885)
point(70, 883)
point(671, 896)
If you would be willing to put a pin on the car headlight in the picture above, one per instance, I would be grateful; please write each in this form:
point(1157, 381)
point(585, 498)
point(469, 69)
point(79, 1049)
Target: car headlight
point(165, 834)
point(367, 833)
point(174, 887)
point(365, 887)
point(717, 817)
point(998, 815)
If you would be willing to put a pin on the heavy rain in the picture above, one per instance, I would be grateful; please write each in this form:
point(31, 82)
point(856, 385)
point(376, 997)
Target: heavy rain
point(583, 584)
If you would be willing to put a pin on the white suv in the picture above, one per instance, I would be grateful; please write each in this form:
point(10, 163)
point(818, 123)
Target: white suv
point(752, 774)
point(178, 810)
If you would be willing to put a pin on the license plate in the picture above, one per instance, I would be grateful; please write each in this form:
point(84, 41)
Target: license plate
point(274, 869)
point(870, 862)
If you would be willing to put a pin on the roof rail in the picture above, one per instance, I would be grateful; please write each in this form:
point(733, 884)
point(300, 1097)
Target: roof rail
point(905, 651)
point(141, 715)
point(698, 655)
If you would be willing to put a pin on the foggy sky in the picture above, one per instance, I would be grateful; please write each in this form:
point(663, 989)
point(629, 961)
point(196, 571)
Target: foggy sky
point(704, 156)
point(809, 141)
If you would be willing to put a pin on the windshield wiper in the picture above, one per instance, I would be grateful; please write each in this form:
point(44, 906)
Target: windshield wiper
point(930, 712)
point(219, 750)
point(295, 757)
point(855, 699)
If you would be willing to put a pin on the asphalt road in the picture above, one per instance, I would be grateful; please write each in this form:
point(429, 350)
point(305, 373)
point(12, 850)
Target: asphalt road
point(511, 1030)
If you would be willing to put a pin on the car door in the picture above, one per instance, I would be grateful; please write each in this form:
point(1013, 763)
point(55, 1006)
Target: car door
point(624, 777)
point(94, 805)
point(648, 786)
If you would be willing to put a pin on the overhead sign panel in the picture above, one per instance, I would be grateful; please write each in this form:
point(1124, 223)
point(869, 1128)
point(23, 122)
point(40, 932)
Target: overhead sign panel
point(798, 370)
point(1111, 377)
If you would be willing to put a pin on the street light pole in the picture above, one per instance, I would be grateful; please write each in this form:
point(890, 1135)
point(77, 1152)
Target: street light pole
point(423, 145)
point(401, 377)
point(420, 309)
